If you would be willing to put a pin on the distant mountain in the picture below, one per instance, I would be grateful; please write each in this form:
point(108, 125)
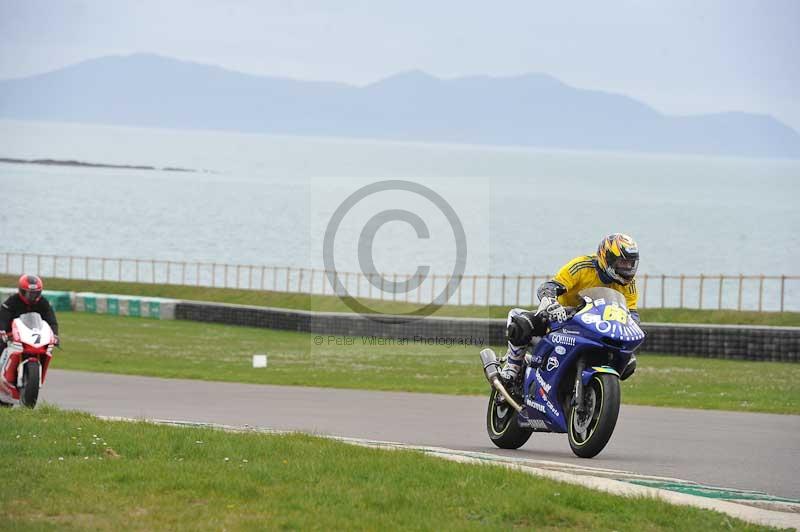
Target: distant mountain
point(532, 110)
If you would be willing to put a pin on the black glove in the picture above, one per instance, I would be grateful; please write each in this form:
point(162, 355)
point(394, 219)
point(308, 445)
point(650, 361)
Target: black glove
point(524, 327)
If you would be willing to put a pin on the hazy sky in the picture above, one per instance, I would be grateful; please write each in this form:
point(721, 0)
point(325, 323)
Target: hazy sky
point(678, 56)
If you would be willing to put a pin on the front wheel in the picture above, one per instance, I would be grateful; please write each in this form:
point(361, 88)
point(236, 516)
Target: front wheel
point(590, 429)
point(29, 392)
point(502, 425)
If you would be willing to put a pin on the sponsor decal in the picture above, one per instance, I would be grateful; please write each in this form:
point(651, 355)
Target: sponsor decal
point(562, 339)
point(588, 319)
point(560, 349)
point(536, 406)
point(569, 331)
point(552, 363)
point(552, 408)
point(542, 382)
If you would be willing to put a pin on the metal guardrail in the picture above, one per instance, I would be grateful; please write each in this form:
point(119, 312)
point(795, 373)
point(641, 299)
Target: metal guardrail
point(703, 291)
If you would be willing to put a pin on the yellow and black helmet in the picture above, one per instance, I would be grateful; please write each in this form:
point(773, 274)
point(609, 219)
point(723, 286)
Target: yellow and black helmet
point(618, 257)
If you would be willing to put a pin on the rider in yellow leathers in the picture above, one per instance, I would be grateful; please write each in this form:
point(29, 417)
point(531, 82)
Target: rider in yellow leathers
point(614, 266)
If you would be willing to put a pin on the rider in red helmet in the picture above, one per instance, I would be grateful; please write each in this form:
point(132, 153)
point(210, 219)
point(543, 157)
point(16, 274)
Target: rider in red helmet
point(27, 299)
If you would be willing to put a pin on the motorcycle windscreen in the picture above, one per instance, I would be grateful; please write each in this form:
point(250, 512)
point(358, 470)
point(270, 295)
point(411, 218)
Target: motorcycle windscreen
point(31, 320)
point(607, 294)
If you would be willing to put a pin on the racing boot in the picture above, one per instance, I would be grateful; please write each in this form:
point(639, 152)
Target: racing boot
point(514, 358)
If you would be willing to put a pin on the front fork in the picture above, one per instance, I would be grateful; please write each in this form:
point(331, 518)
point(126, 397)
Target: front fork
point(577, 397)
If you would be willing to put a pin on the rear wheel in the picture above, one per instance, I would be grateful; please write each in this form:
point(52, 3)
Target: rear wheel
point(590, 428)
point(502, 425)
point(29, 392)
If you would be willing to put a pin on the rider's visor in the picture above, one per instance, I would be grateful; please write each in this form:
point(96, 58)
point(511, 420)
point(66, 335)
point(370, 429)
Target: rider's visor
point(31, 295)
point(627, 267)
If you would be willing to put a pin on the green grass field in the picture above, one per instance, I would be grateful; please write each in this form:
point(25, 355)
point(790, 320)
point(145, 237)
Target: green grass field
point(182, 349)
point(334, 304)
point(72, 471)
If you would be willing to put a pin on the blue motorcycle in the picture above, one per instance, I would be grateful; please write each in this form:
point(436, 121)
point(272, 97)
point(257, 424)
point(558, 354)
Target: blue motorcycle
point(570, 382)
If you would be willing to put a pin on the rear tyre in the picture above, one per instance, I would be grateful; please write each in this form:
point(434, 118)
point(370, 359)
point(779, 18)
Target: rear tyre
point(29, 392)
point(590, 430)
point(502, 425)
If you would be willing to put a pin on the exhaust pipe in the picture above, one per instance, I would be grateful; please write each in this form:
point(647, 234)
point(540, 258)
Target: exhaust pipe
point(491, 368)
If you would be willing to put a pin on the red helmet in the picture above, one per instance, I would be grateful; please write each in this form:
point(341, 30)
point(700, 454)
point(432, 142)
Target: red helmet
point(30, 289)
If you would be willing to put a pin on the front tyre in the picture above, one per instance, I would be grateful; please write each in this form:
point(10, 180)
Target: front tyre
point(29, 392)
point(589, 430)
point(502, 425)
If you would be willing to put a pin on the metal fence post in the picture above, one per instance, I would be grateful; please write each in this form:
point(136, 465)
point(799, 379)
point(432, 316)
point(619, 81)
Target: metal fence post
point(153, 271)
point(739, 302)
point(263, 271)
point(783, 286)
point(300, 280)
point(644, 291)
point(85, 267)
point(119, 269)
point(474, 288)
point(238, 272)
point(663, 277)
point(55, 274)
point(433, 287)
point(760, 292)
point(681, 303)
point(38, 265)
point(488, 283)
point(700, 304)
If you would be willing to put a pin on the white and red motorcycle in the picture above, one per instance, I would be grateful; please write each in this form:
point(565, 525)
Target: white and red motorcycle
point(24, 361)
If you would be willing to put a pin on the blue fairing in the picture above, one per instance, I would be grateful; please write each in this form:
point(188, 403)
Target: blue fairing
point(603, 332)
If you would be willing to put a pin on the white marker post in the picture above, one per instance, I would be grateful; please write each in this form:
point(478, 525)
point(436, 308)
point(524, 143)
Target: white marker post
point(259, 361)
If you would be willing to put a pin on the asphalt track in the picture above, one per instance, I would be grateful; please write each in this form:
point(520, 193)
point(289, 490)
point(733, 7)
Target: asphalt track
point(727, 449)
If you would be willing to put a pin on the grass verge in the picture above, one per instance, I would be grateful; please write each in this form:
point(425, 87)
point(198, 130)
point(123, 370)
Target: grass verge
point(334, 304)
point(85, 473)
point(183, 349)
